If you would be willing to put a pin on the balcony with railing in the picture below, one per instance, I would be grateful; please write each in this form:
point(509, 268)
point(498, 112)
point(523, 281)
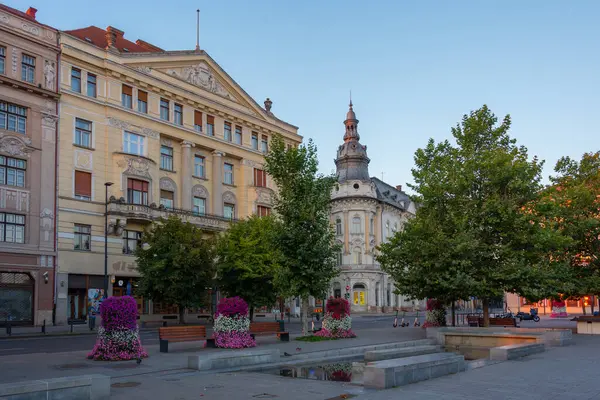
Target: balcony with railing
point(119, 208)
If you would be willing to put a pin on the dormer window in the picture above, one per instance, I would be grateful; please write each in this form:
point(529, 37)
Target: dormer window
point(87, 39)
point(125, 49)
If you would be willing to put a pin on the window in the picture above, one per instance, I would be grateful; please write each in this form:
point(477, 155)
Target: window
point(238, 135)
point(210, 125)
point(166, 158)
point(13, 117)
point(142, 101)
point(131, 241)
point(338, 227)
point(166, 198)
point(254, 141)
point(357, 255)
point(28, 68)
point(198, 121)
point(178, 114)
point(83, 133)
point(137, 192)
point(133, 144)
point(164, 109)
point(340, 258)
point(83, 185)
point(264, 144)
point(2, 59)
point(263, 211)
point(12, 171)
point(372, 226)
point(199, 205)
point(83, 237)
point(199, 166)
point(387, 229)
point(229, 210)
point(91, 85)
point(356, 225)
point(395, 228)
point(12, 228)
point(260, 178)
point(227, 131)
point(228, 176)
point(76, 80)
point(127, 96)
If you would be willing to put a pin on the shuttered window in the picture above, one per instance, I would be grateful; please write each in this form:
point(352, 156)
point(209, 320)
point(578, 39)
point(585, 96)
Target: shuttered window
point(260, 178)
point(198, 121)
point(83, 185)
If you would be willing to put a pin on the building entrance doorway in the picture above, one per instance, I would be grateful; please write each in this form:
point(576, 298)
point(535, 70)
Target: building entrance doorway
point(16, 298)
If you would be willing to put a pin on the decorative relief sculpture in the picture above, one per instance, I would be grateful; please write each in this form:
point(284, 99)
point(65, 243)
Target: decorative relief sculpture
point(142, 69)
point(49, 74)
point(83, 159)
point(14, 146)
point(150, 133)
point(133, 128)
point(4, 18)
point(229, 197)
point(200, 191)
point(166, 142)
point(135, 166)
point(49, 120)
point(46, 218)
point(167, 184)
point(200, 75)
point(34, 30)
point(14, 61)
point(264, 196)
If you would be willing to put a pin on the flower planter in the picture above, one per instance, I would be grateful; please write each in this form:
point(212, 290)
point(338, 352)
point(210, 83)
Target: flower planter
point(232, 325)
point(337, 322)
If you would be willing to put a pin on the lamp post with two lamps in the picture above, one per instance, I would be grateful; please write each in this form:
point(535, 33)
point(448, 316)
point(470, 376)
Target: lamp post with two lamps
point(106, 186)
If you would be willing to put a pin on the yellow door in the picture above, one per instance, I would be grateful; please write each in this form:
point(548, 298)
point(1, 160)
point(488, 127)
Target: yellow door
point(355, 298)
point(362, 298)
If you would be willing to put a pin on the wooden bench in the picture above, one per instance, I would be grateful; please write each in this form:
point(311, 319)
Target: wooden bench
point(268, 328)
point(503, 322)
point(473, 320)
point(182, 334)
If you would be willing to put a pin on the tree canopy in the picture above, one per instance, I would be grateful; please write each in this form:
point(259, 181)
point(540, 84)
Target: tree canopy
point(305, 236)
point(469, 237)
point(249, 260)
point(176, 264)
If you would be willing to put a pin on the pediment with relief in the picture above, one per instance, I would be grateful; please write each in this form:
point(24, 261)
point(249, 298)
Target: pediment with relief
point(202, 76)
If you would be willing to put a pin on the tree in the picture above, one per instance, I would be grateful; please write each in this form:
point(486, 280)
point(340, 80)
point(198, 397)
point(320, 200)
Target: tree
point(468, 237)
point(304, 235)
point(176, 264)
point(571, 206)
point(248, 261)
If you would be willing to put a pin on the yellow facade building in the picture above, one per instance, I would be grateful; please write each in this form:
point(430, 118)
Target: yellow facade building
point(173, 133)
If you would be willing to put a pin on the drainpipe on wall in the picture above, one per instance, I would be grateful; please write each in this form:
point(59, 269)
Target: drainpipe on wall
point(56, 147)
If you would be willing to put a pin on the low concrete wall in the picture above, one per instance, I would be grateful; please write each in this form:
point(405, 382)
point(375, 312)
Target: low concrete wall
point(378, 355)
point(403, 371)
point(233, 359)
point(511, 352)
point(550, 337)
point(92, 387)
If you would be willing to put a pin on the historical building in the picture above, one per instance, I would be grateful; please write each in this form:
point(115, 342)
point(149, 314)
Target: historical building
point(154, 133)
point(28, 117)
point(365, 212)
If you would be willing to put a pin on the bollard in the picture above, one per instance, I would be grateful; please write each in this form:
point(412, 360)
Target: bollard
point(92, 323)
point(71, 323)
point(8, 328)
point(44, 327)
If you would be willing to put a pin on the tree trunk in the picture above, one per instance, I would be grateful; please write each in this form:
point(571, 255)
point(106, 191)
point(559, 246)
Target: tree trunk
point(592, 303)
point(453, 314)
point(583, 306)
point(251, 308)
point(181, 315)
point(486, 312)
point(304, 313)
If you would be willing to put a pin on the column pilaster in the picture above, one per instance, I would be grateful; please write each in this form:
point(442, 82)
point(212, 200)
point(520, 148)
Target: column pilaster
point(217, 182)
point(186, 175)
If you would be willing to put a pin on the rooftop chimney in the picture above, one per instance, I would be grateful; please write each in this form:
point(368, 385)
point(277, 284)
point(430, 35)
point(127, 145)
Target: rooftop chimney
point(31, 12)
point(399, 188)
point(111, 37)
point(148, 46)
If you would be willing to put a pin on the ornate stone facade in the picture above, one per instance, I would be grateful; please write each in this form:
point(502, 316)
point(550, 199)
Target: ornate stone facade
point(365, 212)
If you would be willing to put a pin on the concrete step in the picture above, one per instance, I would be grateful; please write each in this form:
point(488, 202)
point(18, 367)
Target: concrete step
point(403, 371)
point(387, 354)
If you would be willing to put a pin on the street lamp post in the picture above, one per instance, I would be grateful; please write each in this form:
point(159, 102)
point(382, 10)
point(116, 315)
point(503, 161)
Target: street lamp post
point(106, 185)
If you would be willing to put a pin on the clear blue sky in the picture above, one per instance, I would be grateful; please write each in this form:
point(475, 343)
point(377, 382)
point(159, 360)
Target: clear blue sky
point(414, 67)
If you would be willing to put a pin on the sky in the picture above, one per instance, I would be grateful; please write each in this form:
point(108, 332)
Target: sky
point(414, 67)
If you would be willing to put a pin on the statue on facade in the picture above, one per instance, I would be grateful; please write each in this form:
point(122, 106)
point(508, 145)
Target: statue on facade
point(49, 74)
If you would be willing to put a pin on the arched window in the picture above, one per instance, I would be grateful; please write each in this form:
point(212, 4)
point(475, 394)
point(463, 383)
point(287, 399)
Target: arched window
point(357, 255)
point(372, 226)
point(340, 259)
point(356, 225)
point(338, 227)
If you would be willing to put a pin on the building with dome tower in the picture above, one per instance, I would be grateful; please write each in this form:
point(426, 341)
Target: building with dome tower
point(365, 212)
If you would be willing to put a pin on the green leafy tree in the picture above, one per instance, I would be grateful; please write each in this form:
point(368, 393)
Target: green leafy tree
point(304, 236)
point(469, 237)
point(249, 260)
point(571, 206)
point(176, 264)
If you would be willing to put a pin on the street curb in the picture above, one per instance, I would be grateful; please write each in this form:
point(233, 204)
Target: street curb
point(58, 334)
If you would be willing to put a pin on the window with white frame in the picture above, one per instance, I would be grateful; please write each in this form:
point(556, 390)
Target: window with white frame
point(91, 85)
point(13, 117)
point(76, 79)
point(12, 171)
point(199, 206)
point(356, 225)
point(227, 131)
point(254, 141)
point(131, 241)
point(199, 166)
point(166, 158)
point(357, 255)
point(228, 174)
point(338, 227)
point(238, 135)
point(12, 228)
point(164, 109)
point(178, 114)
point(83, 133)
point(133, 143)
point(2, 59)
point(167, 198)
point(83, 237)
point(229, 210)
point(264, 144)
point(28, 68)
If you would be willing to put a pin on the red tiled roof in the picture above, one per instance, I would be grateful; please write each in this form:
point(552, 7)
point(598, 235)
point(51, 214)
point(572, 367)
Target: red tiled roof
point(98, 38)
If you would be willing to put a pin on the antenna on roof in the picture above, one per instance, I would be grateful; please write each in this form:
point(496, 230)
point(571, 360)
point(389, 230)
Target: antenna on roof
point(198, 30)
